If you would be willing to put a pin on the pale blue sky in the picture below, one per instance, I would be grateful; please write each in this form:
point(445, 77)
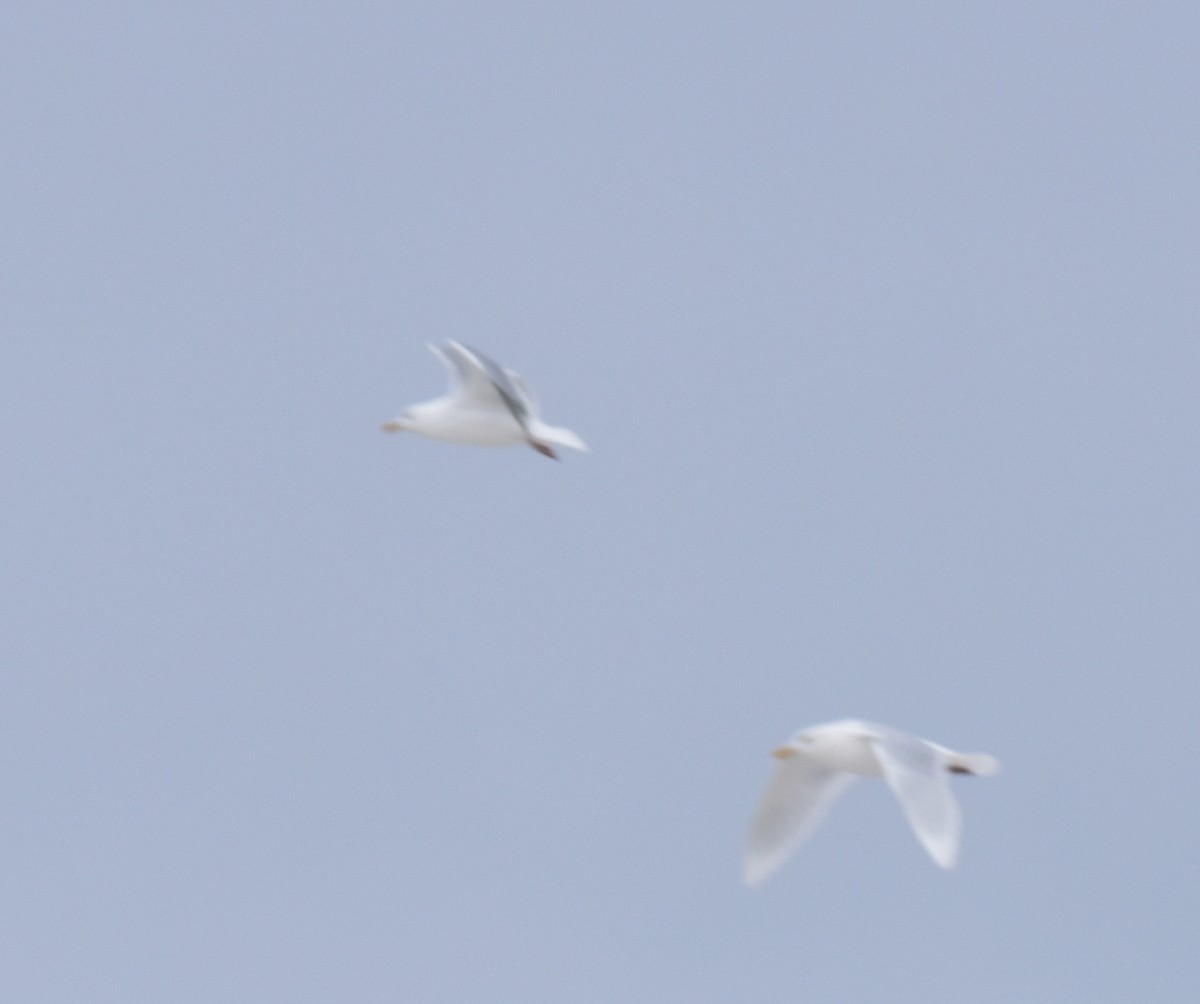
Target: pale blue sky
point(881, 321)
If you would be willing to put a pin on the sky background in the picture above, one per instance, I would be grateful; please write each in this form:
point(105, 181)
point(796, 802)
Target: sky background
point(881, 321)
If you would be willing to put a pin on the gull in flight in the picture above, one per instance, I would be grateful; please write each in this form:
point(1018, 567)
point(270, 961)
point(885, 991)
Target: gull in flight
point(485, 405)
point(817, 764)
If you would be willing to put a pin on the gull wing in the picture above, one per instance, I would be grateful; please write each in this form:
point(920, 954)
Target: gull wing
point(470, 385)
point(916, 773)
point(524, 393)
point(796, 799)
point(497, 376)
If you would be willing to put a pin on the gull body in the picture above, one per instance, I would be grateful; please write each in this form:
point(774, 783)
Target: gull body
point(485, 405)
point(817, 764)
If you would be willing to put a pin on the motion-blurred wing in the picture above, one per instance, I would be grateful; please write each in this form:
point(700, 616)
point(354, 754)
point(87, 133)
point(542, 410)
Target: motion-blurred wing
point(502, 384)
point(524, 393)
point(796, 799)
point(917, 773)
point(470, 385)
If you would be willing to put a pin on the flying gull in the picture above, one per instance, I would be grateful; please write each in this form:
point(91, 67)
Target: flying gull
point(485, 405)
point(818, 764)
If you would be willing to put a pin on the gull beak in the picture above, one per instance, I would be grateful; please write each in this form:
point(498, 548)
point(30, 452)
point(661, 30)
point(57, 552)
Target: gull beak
point(783, 752)
point(394, 425)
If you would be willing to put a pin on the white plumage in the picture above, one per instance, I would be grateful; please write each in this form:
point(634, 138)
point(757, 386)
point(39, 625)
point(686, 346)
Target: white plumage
point(485, 405)
point(818, 764)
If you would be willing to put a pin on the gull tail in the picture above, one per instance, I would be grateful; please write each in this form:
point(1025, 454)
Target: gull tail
point(544, 438)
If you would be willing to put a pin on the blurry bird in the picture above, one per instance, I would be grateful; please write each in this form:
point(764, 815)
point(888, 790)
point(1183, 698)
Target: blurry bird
point(485, 405)
point(818, 764)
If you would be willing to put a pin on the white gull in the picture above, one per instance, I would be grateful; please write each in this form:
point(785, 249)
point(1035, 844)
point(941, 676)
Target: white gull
point(817, 764)
point(485, 405)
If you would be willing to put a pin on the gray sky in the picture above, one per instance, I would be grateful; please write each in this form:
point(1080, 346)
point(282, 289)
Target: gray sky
point(881, 321)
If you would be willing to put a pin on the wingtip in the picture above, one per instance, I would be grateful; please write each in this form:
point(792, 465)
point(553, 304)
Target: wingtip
point(755, 871)
point(941, 848)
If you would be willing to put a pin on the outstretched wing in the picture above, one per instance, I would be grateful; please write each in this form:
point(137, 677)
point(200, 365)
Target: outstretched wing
point(795, 801)
point(470, 385)
point(498, 377)
point(916, 772)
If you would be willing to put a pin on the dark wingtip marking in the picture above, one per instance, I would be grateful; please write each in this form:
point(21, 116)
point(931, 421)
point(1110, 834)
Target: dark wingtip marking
point(960, 770)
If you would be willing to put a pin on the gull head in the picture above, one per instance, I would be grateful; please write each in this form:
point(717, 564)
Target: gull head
point(801, 742)
point(844, 745)
point(403, 422)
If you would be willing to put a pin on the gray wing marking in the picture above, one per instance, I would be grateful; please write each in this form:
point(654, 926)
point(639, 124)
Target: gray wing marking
point(526, 395)
point(509, 393)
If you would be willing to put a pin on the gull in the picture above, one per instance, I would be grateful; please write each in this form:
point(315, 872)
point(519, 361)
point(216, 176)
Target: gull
point(485, 405)
point(817, 764)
